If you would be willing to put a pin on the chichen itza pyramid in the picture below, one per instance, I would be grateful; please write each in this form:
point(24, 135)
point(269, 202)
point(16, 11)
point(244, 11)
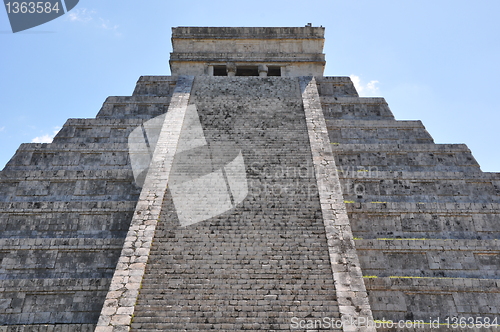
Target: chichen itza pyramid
point(247, 192)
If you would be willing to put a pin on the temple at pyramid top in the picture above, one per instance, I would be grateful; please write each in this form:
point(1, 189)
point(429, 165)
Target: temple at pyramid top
point(246, 51)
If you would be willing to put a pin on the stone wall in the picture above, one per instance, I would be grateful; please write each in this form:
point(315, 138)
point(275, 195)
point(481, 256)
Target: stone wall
point(424, 216)
point(66, 208)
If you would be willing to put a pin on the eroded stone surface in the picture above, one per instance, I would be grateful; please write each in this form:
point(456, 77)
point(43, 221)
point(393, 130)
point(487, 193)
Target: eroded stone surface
point(264, 262)
point(422, 216)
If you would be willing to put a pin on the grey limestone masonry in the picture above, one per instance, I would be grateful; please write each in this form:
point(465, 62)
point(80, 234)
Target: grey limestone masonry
point(322, 205)
point(49, 328)
point(118, 308)
point(425, 218)
point(66, 209)
point(266, 261)
point(350, 288)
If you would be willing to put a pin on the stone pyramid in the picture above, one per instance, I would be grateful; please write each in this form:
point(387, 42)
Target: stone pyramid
point(247, 192)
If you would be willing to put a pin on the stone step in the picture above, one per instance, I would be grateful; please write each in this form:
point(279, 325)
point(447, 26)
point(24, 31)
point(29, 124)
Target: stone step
point(421, 207)
point(351, 174)
point(436, 148)
point(59, 258)
point(429, 244)
point(67, 206)
point(234, 318)
point(155, 86)
point(447, 224)
point(65, 224)
point(58, 244)
point(102, 122)
point(100, 130)
point(401, 298)
point(70, 156)
point(8, 176)
point(255, 325)
point(399, 148)
point(378, 124)
point(406, 157)
point(358, 172)
point(133, 107)
point(336, 86)
point(48, 328)
point(417, 189)
point(83, 147)
point(64, 185)
point(232, 307)
point(420, 199)
point(377, 132)
point(464, 258)
point(355, 108)
point(52, 301)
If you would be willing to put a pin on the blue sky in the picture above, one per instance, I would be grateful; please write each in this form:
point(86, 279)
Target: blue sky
point(435, 61)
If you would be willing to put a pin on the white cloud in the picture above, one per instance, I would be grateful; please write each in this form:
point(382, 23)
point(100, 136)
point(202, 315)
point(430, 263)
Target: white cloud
point(106, 24)
point(47, 138)
point(43, 139)
point(2, 129)
point(81, 15)
point(85, 15)
point(369, 89)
